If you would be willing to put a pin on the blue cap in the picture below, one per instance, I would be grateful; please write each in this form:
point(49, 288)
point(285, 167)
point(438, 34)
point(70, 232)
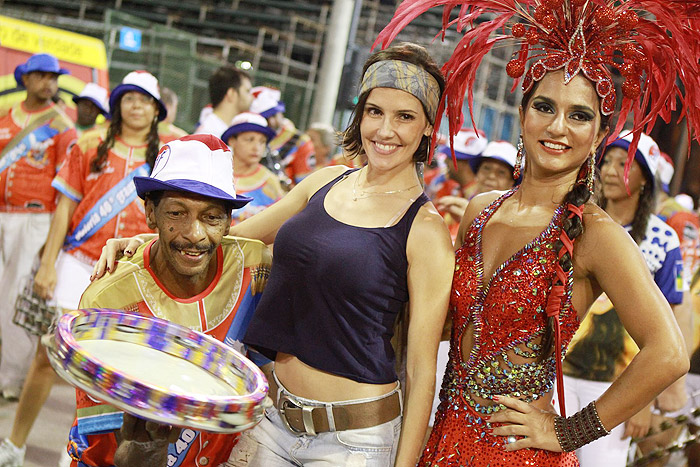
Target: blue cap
point(39, 62)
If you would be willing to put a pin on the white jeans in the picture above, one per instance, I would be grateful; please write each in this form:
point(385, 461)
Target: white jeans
point(21, 237)
point(270, 444)
point(608, 451)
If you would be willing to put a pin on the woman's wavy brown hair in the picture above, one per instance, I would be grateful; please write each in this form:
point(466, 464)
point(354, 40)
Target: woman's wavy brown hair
point(406, 52)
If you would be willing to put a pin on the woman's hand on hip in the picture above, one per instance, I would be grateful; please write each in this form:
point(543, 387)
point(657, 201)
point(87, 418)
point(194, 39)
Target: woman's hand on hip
point(531, 427)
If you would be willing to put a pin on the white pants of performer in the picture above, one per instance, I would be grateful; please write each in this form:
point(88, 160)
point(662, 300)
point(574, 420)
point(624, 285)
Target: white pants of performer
point(21, 237)
point(72, 278)
point(608, 451)
point(442, 359)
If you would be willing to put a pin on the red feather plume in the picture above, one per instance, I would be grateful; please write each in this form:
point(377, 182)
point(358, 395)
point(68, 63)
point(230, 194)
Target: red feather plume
point(654, 45)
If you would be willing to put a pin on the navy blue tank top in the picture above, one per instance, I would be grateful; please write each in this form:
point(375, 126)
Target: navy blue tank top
point(334, 293)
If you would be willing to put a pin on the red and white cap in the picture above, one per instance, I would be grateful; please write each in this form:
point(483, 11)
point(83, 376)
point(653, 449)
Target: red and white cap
point(257, 91)
point(267, 102)
point(467, 144)
point(199, 164)
point(647, 153)
point(143, 82)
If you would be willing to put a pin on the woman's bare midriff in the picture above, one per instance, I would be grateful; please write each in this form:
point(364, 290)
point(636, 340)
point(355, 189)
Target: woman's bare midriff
point(543, 403)
point(305, 381)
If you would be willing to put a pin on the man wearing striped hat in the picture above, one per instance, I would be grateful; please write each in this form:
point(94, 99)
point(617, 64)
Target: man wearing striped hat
point(191, 274)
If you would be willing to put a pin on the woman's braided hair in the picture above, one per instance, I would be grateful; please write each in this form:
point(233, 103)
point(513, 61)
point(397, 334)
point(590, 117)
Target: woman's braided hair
point(573, 227)
point(114, 130)
point(571, 224)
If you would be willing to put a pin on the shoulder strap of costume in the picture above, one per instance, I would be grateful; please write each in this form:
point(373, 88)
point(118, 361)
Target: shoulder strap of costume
point(106, 208)
point(35, 132)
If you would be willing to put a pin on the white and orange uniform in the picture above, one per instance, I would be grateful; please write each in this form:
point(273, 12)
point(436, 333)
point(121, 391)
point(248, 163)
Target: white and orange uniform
point(32, 147)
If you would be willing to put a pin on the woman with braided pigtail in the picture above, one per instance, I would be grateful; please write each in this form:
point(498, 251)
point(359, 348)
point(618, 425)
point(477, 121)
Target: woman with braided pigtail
point(531, 261)
point(152, 141)
point(572, 227)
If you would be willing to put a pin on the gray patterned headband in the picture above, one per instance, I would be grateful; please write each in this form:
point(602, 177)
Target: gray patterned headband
point(407, 77)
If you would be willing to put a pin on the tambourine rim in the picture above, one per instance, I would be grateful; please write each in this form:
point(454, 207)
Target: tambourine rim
point(120, 404)
point(106, 311)
point(65, 325)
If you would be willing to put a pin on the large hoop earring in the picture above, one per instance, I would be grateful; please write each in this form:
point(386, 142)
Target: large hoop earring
point(518, 160)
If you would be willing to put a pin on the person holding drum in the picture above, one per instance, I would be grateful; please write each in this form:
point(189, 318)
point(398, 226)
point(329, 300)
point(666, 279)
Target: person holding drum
point(352, 248)
point(190, 274)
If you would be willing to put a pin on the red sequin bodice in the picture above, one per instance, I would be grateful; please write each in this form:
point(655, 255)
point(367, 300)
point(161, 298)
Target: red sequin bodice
point(507, 315)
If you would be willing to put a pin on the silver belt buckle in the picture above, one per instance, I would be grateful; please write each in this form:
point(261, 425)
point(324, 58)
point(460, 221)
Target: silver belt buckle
point(306, 413)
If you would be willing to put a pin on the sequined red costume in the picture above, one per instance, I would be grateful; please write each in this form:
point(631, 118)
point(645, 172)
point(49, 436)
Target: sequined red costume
point(508, 317)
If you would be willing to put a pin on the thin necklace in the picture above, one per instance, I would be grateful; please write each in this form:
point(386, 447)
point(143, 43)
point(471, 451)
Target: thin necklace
point(367, 194)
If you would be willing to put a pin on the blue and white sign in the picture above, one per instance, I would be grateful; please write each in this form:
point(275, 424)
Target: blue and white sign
point(130, 39)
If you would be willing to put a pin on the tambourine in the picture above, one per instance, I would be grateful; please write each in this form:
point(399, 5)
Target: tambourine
point(157, 370)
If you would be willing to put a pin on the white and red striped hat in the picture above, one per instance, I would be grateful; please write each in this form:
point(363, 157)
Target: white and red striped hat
point(257, 91)
point(266, 101)
point(199, 164)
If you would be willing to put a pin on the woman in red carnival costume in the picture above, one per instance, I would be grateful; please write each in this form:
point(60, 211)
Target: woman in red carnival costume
point(532, 260)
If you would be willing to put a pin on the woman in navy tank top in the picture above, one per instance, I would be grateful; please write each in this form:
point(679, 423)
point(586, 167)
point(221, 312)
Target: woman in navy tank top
point(354, 249)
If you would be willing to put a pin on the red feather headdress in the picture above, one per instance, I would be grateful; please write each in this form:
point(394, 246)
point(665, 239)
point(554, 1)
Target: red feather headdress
point(654, 44)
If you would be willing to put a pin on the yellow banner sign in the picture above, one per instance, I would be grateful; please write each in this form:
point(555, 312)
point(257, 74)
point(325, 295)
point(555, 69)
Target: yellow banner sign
point(64, 45)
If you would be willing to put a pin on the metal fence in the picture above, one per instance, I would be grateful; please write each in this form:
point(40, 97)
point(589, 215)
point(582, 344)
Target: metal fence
point(173, 56)
point(184, 61)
